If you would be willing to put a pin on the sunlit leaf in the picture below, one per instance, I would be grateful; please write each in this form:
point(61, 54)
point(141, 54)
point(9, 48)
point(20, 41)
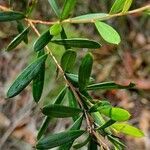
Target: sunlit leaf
point(108, 33)
point(59, 111)
point(28, 74)
point(55, 7)
point(128, 129)
point(85, 71)
point(127, 5)
point(55, 29)
point(94, 16)
point(117, 6)
point(58, 139)
point(115, 113)
point(67, 8)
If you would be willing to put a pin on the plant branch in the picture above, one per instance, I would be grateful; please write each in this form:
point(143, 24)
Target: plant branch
point(70, 20)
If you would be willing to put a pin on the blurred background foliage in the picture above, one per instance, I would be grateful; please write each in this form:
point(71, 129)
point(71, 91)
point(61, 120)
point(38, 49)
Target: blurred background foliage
point(130, 61)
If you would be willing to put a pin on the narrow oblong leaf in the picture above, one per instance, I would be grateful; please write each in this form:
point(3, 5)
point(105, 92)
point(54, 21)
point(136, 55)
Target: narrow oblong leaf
point(92, 145)
point(127, 5)
point(38, 81)
point(99, 105)
point(55, 7)
point(106, 124)
point(94, 16)
point(72, 102)
point(75, 126)
point(115, 113)
point(79, 145)
point(59, 111)
point(73, 78)
point(117, 6)
point(128, 129)
point(55, 29)
point(108, 33)
point(67, 8)
point(20, 28)
point(108, 86)
point(42, 41)
point(18, 39)
point(116, 141)
point(43, 127)
point(26, 77)
point(11, 16)
point(85, 71)
point(58, 139)
point(68, 60)
point(47, 119)
point(77, 42)
point(64, 36)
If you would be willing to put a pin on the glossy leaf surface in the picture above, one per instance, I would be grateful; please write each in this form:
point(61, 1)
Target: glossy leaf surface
point(26, 77)
point(58, 139)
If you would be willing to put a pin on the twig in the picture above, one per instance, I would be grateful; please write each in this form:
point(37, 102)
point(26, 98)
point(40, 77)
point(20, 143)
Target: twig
point(70, 20)
point(67, 82)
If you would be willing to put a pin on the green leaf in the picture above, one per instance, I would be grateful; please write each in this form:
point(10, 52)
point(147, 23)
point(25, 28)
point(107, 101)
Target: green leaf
point(79, 145)
point(59, 111)
point(42, 41)
point(108, 86)
point(61, 96)
point(18, 39)
point(64, 36)
point(43, 127)
point(117, 6)
point(20, 28)
point(55, 7)
point(11, 16)
point(77, 42)
point(115, 113)
point(55, 29)
point(26, 77)
point(108, 33)
point(128, 129)
point(38, 81)
point(75, 126)
point(85, 71)
point(92, 145)
point(94, 16)
point(47, 119)
point(116, 142)
point(106, 124)
point(127, 5)
point(68, 60)
point(72, 102)
point(73, 78)
point(58, 139)
point(99, 105)
point(67, 8)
